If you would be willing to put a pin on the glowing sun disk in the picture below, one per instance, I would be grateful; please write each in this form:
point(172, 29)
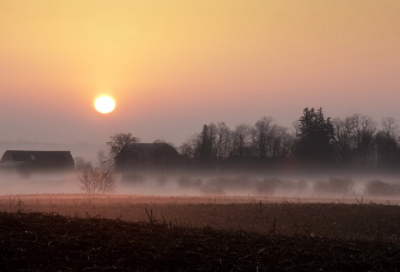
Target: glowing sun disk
point(104, 104)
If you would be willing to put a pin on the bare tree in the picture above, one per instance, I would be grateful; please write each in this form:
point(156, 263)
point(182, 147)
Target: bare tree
point(81, 164)
point(262, 136)
point(241, 140)
point(212, 136)
point(386, 142)
point(105, 162)
point(283, 142)
point(96, 180)
point(223, 140)
point(390, 127)
point(364, 132)
point(119, 145)
point(296, 127)
point(189, 148)
point(343, 140)
point(292, 136)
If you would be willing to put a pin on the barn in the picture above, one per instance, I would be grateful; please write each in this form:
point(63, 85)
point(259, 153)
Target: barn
point(36, 161)
point(148, 157)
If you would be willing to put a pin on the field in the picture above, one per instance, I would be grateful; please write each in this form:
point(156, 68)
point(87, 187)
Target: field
point(135, 233)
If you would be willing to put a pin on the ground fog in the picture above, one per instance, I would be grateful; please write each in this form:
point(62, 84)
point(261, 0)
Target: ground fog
point(336, 187)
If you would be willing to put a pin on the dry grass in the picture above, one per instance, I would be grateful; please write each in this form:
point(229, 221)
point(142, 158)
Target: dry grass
point(291, 216)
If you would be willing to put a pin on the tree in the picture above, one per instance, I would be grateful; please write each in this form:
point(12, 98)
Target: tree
point(96, 180)
point(262, 136)
point(212, 136)
point(363, 136)
point(190, 147)
point(343, 140)
point(283, 143)
point(211, 145)
point(205, 148)
point(81, 165)
point(223, 141)
point(314, 139)
point(105, 162)
point(390, 127)
point(386, 142)
point(119, 146)
point(241, 141)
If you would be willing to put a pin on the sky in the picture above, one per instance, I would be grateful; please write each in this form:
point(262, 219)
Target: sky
point(172, 66)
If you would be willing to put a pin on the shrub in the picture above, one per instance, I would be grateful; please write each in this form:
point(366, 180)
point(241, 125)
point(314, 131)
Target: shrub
point(334, 186)
point(81, 165)
point(133, 178)
point(267, 186)
point(161, 180)
point(186, 182)
point(237, 183)
point(287, 185)
point(290, 185)
point(96, 180)
point(378, 187)
point(301, 185)
point(216, 191)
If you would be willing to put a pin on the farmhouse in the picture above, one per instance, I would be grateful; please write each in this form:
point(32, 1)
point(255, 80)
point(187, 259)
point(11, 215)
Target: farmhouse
point(36, 161)
point(148, 157)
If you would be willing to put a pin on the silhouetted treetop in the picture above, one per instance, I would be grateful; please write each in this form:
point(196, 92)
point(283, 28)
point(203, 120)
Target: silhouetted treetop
point(354, 141)
point(314, 138)
point(119, 144)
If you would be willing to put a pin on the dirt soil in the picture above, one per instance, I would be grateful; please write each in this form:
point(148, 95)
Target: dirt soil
point(50, 242)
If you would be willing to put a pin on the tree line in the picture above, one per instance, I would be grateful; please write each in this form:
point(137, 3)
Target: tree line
point(313, 140)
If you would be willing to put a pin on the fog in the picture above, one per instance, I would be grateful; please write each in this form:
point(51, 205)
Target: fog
point(311, 186)
point(266, 187)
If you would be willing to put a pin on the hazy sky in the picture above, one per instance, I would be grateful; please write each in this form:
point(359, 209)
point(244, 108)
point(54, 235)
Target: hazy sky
point(172, 65)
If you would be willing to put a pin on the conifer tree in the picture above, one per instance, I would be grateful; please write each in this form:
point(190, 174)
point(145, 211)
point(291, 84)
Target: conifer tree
point(314, 140)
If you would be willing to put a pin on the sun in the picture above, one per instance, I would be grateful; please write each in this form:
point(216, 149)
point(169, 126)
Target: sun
point(104, 104)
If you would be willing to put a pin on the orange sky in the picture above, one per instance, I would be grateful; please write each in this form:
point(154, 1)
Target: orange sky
point(174, 65)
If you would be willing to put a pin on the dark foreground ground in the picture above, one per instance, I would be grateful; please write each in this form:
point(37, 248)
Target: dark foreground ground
point(50, 242)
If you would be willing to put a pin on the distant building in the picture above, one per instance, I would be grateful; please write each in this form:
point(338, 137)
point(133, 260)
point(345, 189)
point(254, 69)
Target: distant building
point(148, 157)
point(27, 162)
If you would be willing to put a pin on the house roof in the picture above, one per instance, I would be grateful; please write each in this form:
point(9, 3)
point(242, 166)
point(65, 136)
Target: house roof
point(148, 150)
point(39, 159)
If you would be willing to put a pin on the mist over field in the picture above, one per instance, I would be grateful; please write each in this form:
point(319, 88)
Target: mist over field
point(199, 135)
point(320, 188)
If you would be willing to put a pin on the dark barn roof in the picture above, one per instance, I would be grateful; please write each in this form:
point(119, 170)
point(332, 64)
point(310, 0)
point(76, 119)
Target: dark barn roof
point(37, 160)
point(148, 157)
point(152, 150)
